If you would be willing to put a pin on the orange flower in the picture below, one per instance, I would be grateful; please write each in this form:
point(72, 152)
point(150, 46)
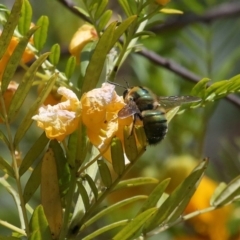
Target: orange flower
point(162, 2)
point(100, 109)
point(62, 119)
point(53, 98)
point(8, 94)
point(84, 35)
point(27, 56)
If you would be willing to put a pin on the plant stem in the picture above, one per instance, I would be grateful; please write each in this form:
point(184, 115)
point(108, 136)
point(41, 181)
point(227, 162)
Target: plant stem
point(24, 222)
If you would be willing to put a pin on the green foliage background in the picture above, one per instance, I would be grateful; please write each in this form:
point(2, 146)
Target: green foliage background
point(206, 48)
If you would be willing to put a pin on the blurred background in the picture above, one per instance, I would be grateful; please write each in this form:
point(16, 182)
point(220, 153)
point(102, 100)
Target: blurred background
point(205, 40)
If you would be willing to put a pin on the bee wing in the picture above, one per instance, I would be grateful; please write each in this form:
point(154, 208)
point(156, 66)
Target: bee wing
point(128, 110)
point(175, 101)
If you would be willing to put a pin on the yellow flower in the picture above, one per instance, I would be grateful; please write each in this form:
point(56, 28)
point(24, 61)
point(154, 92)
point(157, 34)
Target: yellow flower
point(100, 109)
point(62, 119)
point(84, 35)
point(162, 2)
point(7, 96)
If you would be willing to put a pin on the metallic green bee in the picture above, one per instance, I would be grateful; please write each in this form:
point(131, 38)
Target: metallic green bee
point(142, 103)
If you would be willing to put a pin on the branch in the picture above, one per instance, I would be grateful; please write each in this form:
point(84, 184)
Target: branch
point(71, 7)
point(180, 71)
point(227, 10)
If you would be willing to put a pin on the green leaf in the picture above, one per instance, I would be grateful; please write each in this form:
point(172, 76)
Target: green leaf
point(9, 238)
point(70, 67)
point(97, 61)
point(50, 193)
point(109, 227)
point(217, 192)
point(33, 153)
point(26, 18)
point(4, 139)
point(32, 183)
point(27, 121)
point(122, 27)
point(55, 54)
point(229, 193)
point(92, 185)
point(155, 195)
point(15, 59)
point(72, 149)
point(134, 182)
point(144, 34)
point(105, 173)
point(63, 170)
point(170, 206)
point(171, 11)
point(24, 87)
point(101, 7)
point(85, 57)
point(39, 229)
point(83, 11)
point(130, 145)
point(117, 155)
point(10, 26)
point(199, 88)
point(40, 36)
point(113, 207)
point(84, 195)
point(128, 231)
point(103, 21)
point(5, 167)
point(126, 7)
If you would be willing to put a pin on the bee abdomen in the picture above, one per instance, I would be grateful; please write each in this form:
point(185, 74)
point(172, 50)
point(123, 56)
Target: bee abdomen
point(155, 125)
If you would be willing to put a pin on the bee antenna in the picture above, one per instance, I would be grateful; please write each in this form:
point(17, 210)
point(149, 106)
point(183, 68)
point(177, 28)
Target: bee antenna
point(116, 84)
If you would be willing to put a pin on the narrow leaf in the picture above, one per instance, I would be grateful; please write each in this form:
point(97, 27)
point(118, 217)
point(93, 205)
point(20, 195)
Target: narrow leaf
point(199, 88)
point(63, 171)
point(101, 7)
point(97, 61)
point(26, 18)
point(105, 173)
point(130, 145)
point(155, 195)
point(33, 153)
point(126, 7)
point(5, 167)
point(171, 11)
point(128, 231)
point(55, 54)
point(177, 196)
point(10, 26)
point(104, 20)
point(40, 36)
point(50, 194)
point(217, 192)
point(27, 121)
point(92, 185)
point(109, 227)
point(122, 27)
point(70, 67)
point(231, 191)
point(4, 139)
point(114, 207)
point(39, 229)
point(134, 182)
point(24, 87)
point(15, 59)
point(117, 156)
point(84, 195)
point(32, 183)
